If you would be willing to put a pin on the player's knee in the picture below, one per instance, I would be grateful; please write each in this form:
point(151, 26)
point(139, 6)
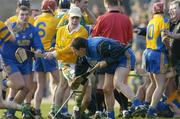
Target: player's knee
point(20, 85)
point(64, 86)
point(107, 90)
point(118, 84)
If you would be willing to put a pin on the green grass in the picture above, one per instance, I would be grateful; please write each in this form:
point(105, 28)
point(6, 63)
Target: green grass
point(45, 107)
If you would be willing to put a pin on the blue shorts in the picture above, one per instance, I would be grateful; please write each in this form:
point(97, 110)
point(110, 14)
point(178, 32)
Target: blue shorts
point(128, 61)
point(155, 61)
point(45, 65)
point(24, 68)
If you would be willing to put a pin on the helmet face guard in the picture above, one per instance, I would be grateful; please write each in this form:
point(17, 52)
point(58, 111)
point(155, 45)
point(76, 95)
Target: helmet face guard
point(64, 4)
point(174, 11)
point(158, 7)
point(24, 3)
point(48, 5)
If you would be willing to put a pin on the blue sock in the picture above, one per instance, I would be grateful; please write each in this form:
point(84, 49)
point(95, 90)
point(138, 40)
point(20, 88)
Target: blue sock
point(11, 111)
point(37, 111)
point(64, 110)
point(161, 106)
point(151, 111)
point(136, 102)
point(110, 115)
point(146, 103)
point(175, 101)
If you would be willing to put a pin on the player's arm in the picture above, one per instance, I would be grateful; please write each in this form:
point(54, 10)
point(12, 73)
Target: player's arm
point(5, 34)
point(97, 27)
point(165, 37)
point(91, 19)
point(110, 52)
point(37, 44)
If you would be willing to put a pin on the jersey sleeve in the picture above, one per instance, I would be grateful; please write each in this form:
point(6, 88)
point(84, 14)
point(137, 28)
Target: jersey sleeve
point(5, 34)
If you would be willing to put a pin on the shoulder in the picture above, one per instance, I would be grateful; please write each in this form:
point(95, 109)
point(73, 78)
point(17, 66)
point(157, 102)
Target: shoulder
point(62, 28)
point(2, 24)
point(33, 28)
point(166, 20)
point(31, 20)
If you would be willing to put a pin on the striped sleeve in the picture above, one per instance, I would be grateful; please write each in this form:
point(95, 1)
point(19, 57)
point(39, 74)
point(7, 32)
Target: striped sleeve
point(5, 35)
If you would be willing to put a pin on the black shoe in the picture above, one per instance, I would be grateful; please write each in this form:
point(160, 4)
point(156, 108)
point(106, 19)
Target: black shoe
point(126, 114)
point(38, 115)
point(100, 115)
point(27, 112)
point(76, 113)
point(10, 116)
point(140, 111)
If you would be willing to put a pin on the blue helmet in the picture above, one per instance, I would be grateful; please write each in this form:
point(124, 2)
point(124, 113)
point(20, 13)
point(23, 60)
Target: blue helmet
point(23, 3)
point(64, 4)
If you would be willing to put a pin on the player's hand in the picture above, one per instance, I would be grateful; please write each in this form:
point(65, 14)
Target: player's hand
point(75, 83)
point(51, 49)
point(101, 64)
point(50, 55)
point(168, 33)
point(38, 53)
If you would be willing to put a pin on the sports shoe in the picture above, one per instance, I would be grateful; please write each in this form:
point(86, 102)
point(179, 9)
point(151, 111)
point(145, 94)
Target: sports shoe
point(126, 114)
point(99, 115)
point(27, 111)
point(53, 112)
point(151, 113)
point(76, 113)
point(140, 111)
point(38, 115)
point(10, 116)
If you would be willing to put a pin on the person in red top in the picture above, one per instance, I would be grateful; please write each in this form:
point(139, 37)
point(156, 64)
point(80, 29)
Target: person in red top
point(114, 24)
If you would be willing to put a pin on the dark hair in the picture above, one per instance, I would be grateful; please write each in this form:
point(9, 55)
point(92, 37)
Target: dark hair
point(114, 2)
point(73, 1)
point(79, 42)
point(23, 3)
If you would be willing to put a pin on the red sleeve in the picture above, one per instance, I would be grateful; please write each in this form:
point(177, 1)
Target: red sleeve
point(130, 31)
point(96, 28)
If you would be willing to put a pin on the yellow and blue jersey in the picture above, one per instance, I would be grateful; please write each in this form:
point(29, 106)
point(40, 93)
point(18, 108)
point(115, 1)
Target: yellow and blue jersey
point(155, 33)
point(63, 41)
point(27, 38)
point(46, 23)
point(15, 19)
point(5, 35)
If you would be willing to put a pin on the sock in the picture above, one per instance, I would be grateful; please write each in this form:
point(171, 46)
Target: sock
point(122, 100)
point(175, 101)
point(64, 110)
point(146, 104)
point(11, 98)
point(110, 115)
point(136, 102)
point(4, 94)
point(151, 111)
point(11, 111)
point(37, 112)
point(99, 99)
point(161, 106)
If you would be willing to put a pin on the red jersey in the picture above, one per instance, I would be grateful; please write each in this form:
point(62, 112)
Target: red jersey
point(114, 25)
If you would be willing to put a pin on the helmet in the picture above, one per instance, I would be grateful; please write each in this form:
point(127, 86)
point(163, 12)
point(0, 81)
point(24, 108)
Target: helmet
point(48, 5)
point(24, 3)
point(64, 4)
point(158, 7)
